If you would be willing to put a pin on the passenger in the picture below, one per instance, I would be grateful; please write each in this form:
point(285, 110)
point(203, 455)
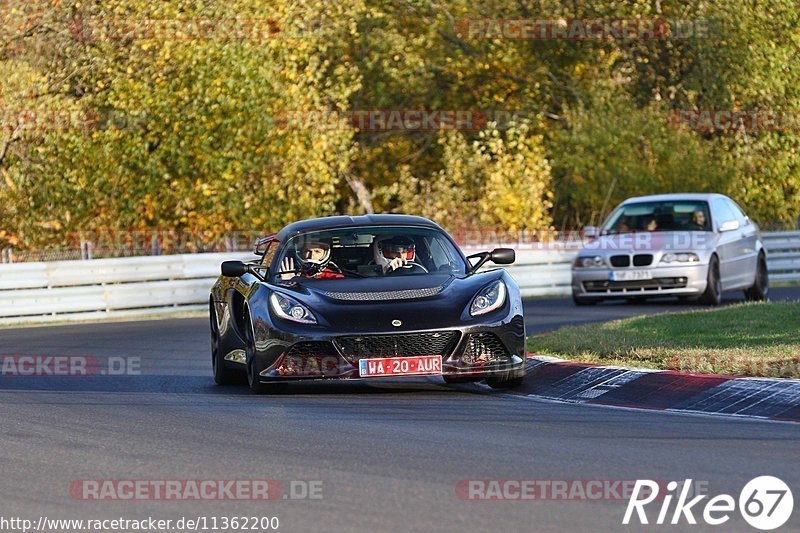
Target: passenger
point(651, 225)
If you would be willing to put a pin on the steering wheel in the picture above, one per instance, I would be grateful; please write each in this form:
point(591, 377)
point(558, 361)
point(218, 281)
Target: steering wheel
point(408, 266)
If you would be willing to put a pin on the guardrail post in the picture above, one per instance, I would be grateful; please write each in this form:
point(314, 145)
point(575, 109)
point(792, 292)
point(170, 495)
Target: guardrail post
point(86, 250)
point(155, 248)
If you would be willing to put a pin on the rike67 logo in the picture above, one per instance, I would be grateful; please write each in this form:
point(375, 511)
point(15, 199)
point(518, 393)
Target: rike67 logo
point(765, 503)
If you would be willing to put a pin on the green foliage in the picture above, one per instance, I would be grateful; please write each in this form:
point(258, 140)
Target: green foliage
point(179, 131)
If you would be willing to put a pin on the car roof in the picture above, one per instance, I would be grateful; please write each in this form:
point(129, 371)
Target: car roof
point(675, 196)
point(341, 221)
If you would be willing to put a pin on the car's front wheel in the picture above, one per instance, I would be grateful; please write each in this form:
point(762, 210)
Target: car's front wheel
point(758, 292)
point(504, 382)
point(453, 380)
point(253, 381)
point(713, 292)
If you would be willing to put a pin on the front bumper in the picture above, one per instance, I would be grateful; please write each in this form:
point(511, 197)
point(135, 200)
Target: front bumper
point(679, 280)
point(479, 350)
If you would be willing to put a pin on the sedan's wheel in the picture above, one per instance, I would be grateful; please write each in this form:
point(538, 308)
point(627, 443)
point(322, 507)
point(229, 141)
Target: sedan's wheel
point(758, 292)
point(713, 292)
point(222, 374)
point(584, 301)
point(504, 383)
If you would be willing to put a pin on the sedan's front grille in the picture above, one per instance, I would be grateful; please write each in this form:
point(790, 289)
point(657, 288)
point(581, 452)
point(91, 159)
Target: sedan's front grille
point(400, 345)
point(641, 260)
point(647, 285)
point(484, 348)
point(620, 260)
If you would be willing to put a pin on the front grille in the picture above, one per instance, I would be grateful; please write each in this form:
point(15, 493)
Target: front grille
point(484, 348)
point(311, 349)
point(620, 260)
point(400, 345)
point(656, 284)
point(384, 295)
point(641, 260)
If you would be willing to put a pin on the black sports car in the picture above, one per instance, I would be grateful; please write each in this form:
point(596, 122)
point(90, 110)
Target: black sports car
point(366, 297)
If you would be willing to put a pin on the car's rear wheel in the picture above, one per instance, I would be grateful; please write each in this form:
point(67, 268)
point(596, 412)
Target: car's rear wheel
point(713, 292)
point(253, 381)
point(504, 382)
point(758, 292)
point(222, 374)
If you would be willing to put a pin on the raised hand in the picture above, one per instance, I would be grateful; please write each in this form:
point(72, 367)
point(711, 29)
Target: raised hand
point(287, 267)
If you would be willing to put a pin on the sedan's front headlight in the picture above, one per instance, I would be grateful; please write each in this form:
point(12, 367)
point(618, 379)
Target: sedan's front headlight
point(682, 257)
point(290, 309)
point(593, 261)
point(488, 298)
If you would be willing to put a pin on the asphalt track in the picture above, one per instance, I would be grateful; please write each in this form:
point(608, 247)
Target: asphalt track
point(389, 455)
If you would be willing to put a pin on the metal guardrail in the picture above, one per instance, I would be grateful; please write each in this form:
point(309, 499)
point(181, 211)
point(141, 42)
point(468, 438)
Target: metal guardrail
point(121, 287)
point(783, 256)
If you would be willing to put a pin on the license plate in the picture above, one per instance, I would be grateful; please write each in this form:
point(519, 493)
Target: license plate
point(631, 275)
point(420, 365)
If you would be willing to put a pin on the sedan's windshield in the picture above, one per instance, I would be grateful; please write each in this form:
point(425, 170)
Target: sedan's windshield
point(673, 215)
point(367, 252)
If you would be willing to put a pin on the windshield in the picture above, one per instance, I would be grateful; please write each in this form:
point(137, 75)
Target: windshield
point(368, 252)
point(674, 215)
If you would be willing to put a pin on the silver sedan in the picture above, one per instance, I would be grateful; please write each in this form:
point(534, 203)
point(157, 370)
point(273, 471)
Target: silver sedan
point(685, 245)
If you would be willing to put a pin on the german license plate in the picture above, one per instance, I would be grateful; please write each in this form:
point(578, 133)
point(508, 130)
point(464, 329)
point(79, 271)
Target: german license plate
point(420, 365)
point(631, 275)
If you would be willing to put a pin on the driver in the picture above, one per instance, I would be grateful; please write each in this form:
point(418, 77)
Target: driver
point(312, 259)
point(392, 253)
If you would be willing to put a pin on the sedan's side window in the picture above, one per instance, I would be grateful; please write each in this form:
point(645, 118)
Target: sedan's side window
point(722, 212)
point(737, 212)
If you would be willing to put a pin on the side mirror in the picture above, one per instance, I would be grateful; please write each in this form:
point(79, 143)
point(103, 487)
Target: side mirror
point(503, 256)
point(729, 225)
point(234, 269)
point(590, 232)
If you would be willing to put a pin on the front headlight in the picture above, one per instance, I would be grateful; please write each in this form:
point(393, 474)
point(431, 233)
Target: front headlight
point(290, 309)
point(488, 298)
point(594, 261)
point(683, 257)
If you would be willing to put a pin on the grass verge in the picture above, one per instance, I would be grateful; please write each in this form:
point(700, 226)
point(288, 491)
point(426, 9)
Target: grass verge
point(750, 339)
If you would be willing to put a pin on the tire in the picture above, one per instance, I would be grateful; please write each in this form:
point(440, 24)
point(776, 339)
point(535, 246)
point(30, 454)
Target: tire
point(504, 383)
point(584, 301)
point(760, 289)
point(222, 374)
point(713, 292)
point(453, 380)
point(253, 382)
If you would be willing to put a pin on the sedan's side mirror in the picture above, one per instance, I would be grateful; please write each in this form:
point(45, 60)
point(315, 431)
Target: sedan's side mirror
point(729, 225)
point(234, 269)
point(590, 232)
point(503, 256)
